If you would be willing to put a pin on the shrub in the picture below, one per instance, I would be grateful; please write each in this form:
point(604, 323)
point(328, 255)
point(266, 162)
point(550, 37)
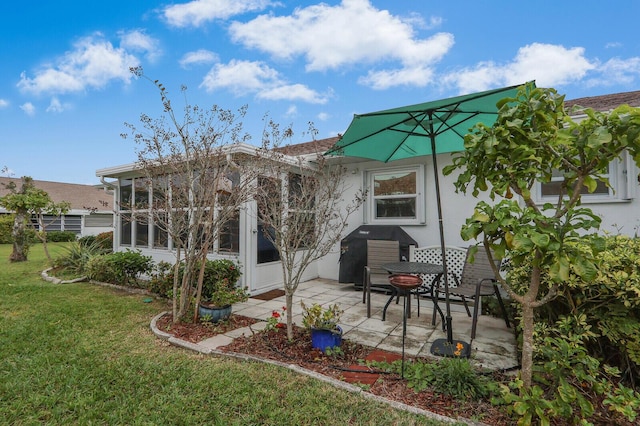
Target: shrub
point(567, 379)
point(455, 377)
point(87, 240)
point(122, 267)
point(61, 236)
point(610, 304)
point(216, 272)
point(219, 286)
point(6, 225)
point(161, 281)
point(105, 241)
point(587, 339)
point(102, 242)
point(128, 265)
point(100, 268)
point(76, 257)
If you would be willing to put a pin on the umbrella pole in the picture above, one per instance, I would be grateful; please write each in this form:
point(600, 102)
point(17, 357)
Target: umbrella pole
point(444, 347)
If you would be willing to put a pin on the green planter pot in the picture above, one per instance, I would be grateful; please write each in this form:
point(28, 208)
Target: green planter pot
point(215, 313)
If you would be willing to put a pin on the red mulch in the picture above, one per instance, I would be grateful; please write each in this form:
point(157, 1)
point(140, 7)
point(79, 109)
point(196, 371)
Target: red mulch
point(346, 365)
point(196, 332)
point(274, 345)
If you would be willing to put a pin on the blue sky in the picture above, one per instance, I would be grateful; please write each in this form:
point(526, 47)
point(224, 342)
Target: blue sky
point(66, 92)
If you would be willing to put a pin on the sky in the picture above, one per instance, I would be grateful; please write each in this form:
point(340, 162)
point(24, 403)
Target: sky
point(66, 91)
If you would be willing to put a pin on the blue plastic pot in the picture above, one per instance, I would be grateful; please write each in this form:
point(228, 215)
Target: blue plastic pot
point(323, 339)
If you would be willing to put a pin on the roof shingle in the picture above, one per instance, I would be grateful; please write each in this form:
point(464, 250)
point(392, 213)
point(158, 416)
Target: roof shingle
point(81, 197)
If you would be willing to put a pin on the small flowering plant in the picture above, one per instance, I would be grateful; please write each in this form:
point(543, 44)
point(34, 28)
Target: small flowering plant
point(275, 321)
point(319, 318)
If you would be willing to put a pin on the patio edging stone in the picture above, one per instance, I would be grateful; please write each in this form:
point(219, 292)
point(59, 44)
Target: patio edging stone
point(301, 370)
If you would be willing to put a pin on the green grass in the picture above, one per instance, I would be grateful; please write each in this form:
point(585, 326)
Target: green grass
point(84, 354)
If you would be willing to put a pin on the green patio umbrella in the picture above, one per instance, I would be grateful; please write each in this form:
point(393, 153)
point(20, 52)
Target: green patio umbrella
point(428, 128)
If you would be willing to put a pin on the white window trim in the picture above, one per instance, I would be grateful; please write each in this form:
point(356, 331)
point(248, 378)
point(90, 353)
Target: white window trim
point(370, 209)
point(621, 187)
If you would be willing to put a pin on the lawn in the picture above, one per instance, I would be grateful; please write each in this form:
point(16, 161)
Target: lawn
point(84, 354)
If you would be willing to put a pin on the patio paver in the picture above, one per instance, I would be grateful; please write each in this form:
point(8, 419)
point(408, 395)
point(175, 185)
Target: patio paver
point(493, 348)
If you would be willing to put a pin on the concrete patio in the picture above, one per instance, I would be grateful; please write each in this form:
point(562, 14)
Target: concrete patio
point(493, 348)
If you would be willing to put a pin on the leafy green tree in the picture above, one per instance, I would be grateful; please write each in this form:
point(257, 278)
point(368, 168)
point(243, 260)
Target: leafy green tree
point(25, 202)
point(533, 137)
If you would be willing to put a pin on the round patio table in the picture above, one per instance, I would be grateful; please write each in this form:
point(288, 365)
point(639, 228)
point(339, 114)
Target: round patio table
point(416, 268)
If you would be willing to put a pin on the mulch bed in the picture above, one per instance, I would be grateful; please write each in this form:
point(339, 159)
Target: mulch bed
point(347, 365)
point(196, 332)
point(274, 345)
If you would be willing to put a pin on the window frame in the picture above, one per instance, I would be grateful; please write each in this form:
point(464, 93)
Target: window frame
point(619, 190)
point(419, 196)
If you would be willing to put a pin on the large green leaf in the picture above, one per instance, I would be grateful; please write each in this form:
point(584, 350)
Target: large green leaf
point(559, 270)
point(584, 268)
point(540, 240)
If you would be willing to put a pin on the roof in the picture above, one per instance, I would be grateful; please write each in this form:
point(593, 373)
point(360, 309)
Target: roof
point(313, 147)
point(81, 197)
point(606, 102)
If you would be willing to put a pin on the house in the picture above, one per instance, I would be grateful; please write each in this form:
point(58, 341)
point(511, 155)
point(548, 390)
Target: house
point(400, 193)
point(91, 207)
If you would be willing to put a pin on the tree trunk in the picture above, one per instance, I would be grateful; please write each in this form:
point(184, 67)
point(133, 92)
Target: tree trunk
point(203, 265)
point(289, 302)
point(19, 253)
point(527, 345)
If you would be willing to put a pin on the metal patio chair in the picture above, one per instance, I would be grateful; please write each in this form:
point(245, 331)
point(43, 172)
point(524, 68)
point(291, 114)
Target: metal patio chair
point(477, 280)
point(379, 252)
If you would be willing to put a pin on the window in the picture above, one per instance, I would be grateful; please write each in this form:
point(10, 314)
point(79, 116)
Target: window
point(125, 230)
point(160, 192)
point(300, 215)
point(229, 240)
point(141, 193)
point(272, 187)
point(396, 195)
point(617, 177)
point(98, 220)
point(126, 192)
point(160, 235)
point(142, 231)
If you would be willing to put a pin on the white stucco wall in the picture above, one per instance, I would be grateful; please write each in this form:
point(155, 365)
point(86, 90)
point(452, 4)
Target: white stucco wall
point(617, 217)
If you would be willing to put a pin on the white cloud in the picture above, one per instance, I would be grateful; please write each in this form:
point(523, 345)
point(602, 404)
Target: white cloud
point(323, 116)
point(292, 112)
point(246, 77)
point(201, 56)
point(292, 92)
point(92, 64)
point(28, 108)
point(4, 103)
point(412, 76)
point(56, 106)
point(351, 33)
point(617, 71)
point(549, 65)
point(240, 77)
point(198, 12)
point(138, 41)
